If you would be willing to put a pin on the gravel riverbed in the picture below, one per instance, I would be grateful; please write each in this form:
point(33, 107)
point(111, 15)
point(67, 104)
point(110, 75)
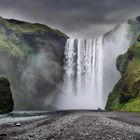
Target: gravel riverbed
point(74, 125)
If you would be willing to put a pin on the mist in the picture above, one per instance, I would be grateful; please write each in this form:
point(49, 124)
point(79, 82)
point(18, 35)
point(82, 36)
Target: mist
point(33, 82)
point(41, 74)
point(115, 43)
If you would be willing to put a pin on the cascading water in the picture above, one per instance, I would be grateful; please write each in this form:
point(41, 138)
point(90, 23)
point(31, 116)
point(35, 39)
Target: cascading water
point(90, 69)
point(83, 79)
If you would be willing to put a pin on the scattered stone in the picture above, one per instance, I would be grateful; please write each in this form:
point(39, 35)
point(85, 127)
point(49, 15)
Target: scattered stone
point(3, 135)
point(75, 126)
point(18, 124)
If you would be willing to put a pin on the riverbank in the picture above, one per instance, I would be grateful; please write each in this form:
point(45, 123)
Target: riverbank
point(75, 125)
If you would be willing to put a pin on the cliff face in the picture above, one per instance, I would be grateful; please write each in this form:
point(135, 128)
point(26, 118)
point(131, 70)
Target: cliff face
point(115, 42)
point(126, 93)
point(31, 56)
point(6, 100)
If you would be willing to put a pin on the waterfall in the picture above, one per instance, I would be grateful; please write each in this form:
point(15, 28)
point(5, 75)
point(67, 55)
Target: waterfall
point(90, 69)
point(83, 78)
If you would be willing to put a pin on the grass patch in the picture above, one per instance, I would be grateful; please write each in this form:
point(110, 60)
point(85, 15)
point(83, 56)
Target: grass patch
point(132, 106)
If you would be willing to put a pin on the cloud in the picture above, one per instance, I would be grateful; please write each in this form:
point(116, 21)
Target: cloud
point(72, 16)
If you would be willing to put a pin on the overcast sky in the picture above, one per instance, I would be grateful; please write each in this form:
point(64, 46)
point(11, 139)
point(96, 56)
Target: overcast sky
point(77, 18)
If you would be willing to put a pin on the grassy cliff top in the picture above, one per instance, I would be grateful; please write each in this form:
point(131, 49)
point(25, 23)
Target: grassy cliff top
point(27, 27)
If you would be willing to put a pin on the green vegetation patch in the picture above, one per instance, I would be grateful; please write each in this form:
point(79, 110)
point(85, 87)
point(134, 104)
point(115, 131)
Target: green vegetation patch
point(132, 106)
point(125, 96)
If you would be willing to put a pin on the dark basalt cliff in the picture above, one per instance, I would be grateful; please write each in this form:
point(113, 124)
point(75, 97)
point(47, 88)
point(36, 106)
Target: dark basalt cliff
point(6, 100)
point(31, 56)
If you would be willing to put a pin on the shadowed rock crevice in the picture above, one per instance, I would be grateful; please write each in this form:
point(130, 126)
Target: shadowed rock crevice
point(6, 99)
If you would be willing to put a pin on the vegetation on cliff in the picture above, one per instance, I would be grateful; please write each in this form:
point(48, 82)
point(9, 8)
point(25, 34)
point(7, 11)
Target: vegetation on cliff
point(31, 56)
point(125, 96)
point(126, 93)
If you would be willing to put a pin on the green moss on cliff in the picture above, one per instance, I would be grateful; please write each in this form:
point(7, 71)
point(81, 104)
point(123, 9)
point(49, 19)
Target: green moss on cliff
point(122, 63)
point(126, 93)
point(27, 49)
point(113, 98)
point(22, 38)
point(132, 106)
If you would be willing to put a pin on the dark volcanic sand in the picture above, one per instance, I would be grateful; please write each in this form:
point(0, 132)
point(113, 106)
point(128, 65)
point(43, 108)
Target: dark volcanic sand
point(76, 125)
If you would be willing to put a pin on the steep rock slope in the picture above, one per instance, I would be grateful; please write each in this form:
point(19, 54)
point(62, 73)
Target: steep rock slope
point(126, 93)
point(31, 56)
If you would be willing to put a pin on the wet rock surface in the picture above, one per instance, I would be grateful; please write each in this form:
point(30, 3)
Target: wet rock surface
point(6, 99)
point(78, 125)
